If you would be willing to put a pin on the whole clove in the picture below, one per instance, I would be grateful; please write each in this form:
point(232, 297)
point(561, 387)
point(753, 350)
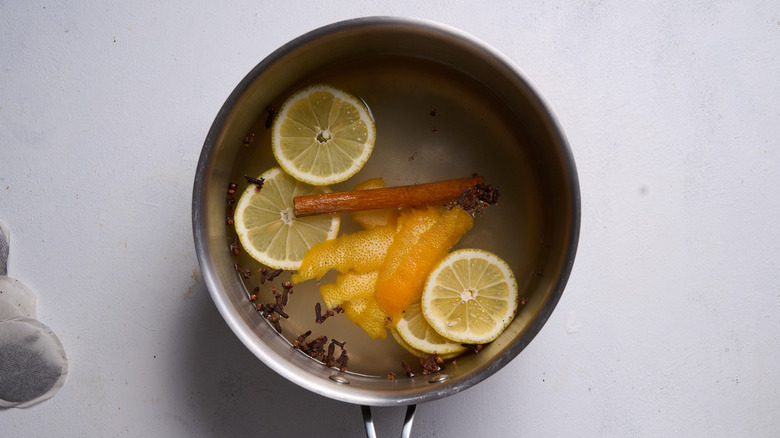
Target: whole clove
point(328, 313)
point(258, 182)
point(407, 368)
point(230, 202)
point(249, 139)
point(273, 307)
point(287, 289)
point(320, 317)
point(272, 112)
point(266, 275)
point(475, 348)
point(235, 248)
point(330, 359)
point(253, 294)
point(273, 274)
point(340, 344)
point(318, 313)
point(342, 361)
point(244, 272)
point(263, 273)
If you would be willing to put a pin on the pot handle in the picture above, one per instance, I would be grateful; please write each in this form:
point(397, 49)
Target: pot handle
point(406, 432)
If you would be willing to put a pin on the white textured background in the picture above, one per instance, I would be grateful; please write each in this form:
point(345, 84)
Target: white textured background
point(670, 325)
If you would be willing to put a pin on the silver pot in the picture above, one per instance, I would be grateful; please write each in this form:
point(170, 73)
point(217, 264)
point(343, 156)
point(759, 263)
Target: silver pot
point(446, 105)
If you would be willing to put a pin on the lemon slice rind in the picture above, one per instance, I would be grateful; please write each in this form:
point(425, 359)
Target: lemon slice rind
point(420, 339)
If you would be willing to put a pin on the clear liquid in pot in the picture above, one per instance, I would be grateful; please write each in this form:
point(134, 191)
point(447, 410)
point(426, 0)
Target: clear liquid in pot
point(433, 123)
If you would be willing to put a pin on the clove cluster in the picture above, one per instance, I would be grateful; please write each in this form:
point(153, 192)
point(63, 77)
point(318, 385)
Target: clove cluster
point(230, 201)
point(316, 349)
point(274, 310)
point(431, 364)
point(476, 199)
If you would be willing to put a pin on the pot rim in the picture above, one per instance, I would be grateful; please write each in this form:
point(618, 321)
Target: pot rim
point(350, 393)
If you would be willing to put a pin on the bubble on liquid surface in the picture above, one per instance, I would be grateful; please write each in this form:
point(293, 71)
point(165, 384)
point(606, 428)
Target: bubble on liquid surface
point(16, 300)
point(33, 366)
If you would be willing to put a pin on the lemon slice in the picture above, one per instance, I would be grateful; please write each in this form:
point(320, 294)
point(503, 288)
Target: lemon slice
point(470, 297)
point(323, 135)
point(267, 227)
point(419, 337)
point(416, 352)
point(407, 347)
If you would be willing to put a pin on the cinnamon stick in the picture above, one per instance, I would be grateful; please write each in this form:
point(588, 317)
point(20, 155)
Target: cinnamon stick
point(389, 197)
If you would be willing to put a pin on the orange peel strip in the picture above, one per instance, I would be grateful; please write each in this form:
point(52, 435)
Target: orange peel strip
point(361, 252)
point(400, 282)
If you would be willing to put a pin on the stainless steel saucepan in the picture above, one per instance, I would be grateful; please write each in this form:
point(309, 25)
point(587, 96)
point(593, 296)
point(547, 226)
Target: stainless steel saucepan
point(446, 105)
